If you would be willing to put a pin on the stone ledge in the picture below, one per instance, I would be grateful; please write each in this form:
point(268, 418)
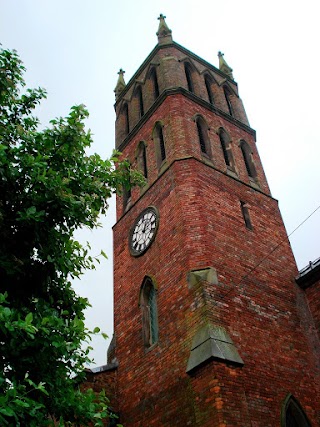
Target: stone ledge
point(212, 342)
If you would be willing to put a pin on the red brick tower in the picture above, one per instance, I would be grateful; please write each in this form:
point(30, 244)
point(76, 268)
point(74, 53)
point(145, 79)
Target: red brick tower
point(210, 327)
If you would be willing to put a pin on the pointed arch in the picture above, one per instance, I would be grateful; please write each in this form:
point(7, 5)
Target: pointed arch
point(248, 160)
point(138, 94)
point(203, 138)
point(149, 312)
point(125, 114)
point(228, 95)
point(155, 85)
point(226, 148)
point(189, 77)
point(126, 194)
point(208, 82)
point(160, 145)
point(142, 158)
point(292, 414)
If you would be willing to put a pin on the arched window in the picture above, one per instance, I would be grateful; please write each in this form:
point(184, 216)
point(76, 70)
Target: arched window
point(247, 157)
point(153, 77)
point(226, 148)
point(208, 82)
point(160, 144)
point(202, 129)
point(292, 414)
point(140, 101)
point(125, 112)
point(126, 194)
point(227, 94)
point(148, 305)
point(188, 71)
point(142, 159)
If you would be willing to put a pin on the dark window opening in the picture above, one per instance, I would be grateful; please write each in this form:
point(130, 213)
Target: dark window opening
point(126, 118)
point(246, 215)
point(226, 148)
point(224, 144)
point(140, 100)
point(208, 81)
point(188, 72)
point(294, 414)
point(247, 157)
point(160, 145)
point(142, 159)
point(201, 137)
point(227, 95)
point(126, 193)
point(148, 304)
point(154, 79)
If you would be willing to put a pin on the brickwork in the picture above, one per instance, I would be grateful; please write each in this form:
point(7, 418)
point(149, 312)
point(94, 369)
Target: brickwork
point(104, 380)
point(254, 296)
point(180, 133)
point(313, 296)
point(169, 66)
point(259, 311)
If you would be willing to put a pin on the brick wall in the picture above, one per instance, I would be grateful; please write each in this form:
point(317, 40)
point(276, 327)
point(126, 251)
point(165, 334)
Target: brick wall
point(201, 225)
point(255, 298)
point(169, 65)
point(313, 296)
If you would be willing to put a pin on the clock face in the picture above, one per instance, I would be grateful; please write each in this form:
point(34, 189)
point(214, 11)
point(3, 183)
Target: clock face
point(143, 231)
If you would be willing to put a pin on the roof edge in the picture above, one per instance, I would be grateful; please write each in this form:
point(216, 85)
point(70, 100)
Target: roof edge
point(182, 49)
point(309, 275)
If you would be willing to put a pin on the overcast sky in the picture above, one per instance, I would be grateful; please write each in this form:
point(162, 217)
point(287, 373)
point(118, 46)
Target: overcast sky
point(74, 49)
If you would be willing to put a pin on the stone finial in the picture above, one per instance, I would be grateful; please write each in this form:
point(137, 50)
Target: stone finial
point(164, 33)
point(223, 66)
point(120, 83)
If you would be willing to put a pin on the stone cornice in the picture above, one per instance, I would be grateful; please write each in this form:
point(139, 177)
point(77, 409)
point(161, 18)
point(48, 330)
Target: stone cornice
point(169, 166)
point(193, 97)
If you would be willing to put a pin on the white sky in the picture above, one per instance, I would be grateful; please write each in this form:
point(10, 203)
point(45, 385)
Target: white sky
point(74, 49)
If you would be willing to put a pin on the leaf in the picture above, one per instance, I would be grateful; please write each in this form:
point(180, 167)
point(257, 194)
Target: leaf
point(51, 188)
point(31, 211)
point(21, 403)
point(7, 411)
point(103, 254)
point(29, 318)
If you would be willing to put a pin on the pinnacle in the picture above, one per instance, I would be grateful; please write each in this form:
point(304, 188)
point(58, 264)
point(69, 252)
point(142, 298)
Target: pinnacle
point(164, 33)
point(223, 66)
point(120, 83)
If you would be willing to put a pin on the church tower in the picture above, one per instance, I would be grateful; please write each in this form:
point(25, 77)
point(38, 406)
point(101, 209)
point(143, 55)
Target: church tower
point(210, 327)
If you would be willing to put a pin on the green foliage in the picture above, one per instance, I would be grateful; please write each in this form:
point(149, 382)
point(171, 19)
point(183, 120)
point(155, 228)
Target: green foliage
point(49, 187)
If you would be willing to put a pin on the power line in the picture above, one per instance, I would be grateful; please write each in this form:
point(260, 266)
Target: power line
point(268, 255)
point(304, 221)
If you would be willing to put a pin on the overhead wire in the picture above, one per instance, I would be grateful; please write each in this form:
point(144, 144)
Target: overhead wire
point(245, 276)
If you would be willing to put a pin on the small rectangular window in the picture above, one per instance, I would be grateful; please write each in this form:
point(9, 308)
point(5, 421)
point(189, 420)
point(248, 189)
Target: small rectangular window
point(246, 215)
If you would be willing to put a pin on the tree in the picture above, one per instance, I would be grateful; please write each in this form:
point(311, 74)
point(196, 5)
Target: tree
point(49, 187)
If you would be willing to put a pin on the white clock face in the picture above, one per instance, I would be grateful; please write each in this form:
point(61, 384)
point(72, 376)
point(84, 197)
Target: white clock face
point(143, 231)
